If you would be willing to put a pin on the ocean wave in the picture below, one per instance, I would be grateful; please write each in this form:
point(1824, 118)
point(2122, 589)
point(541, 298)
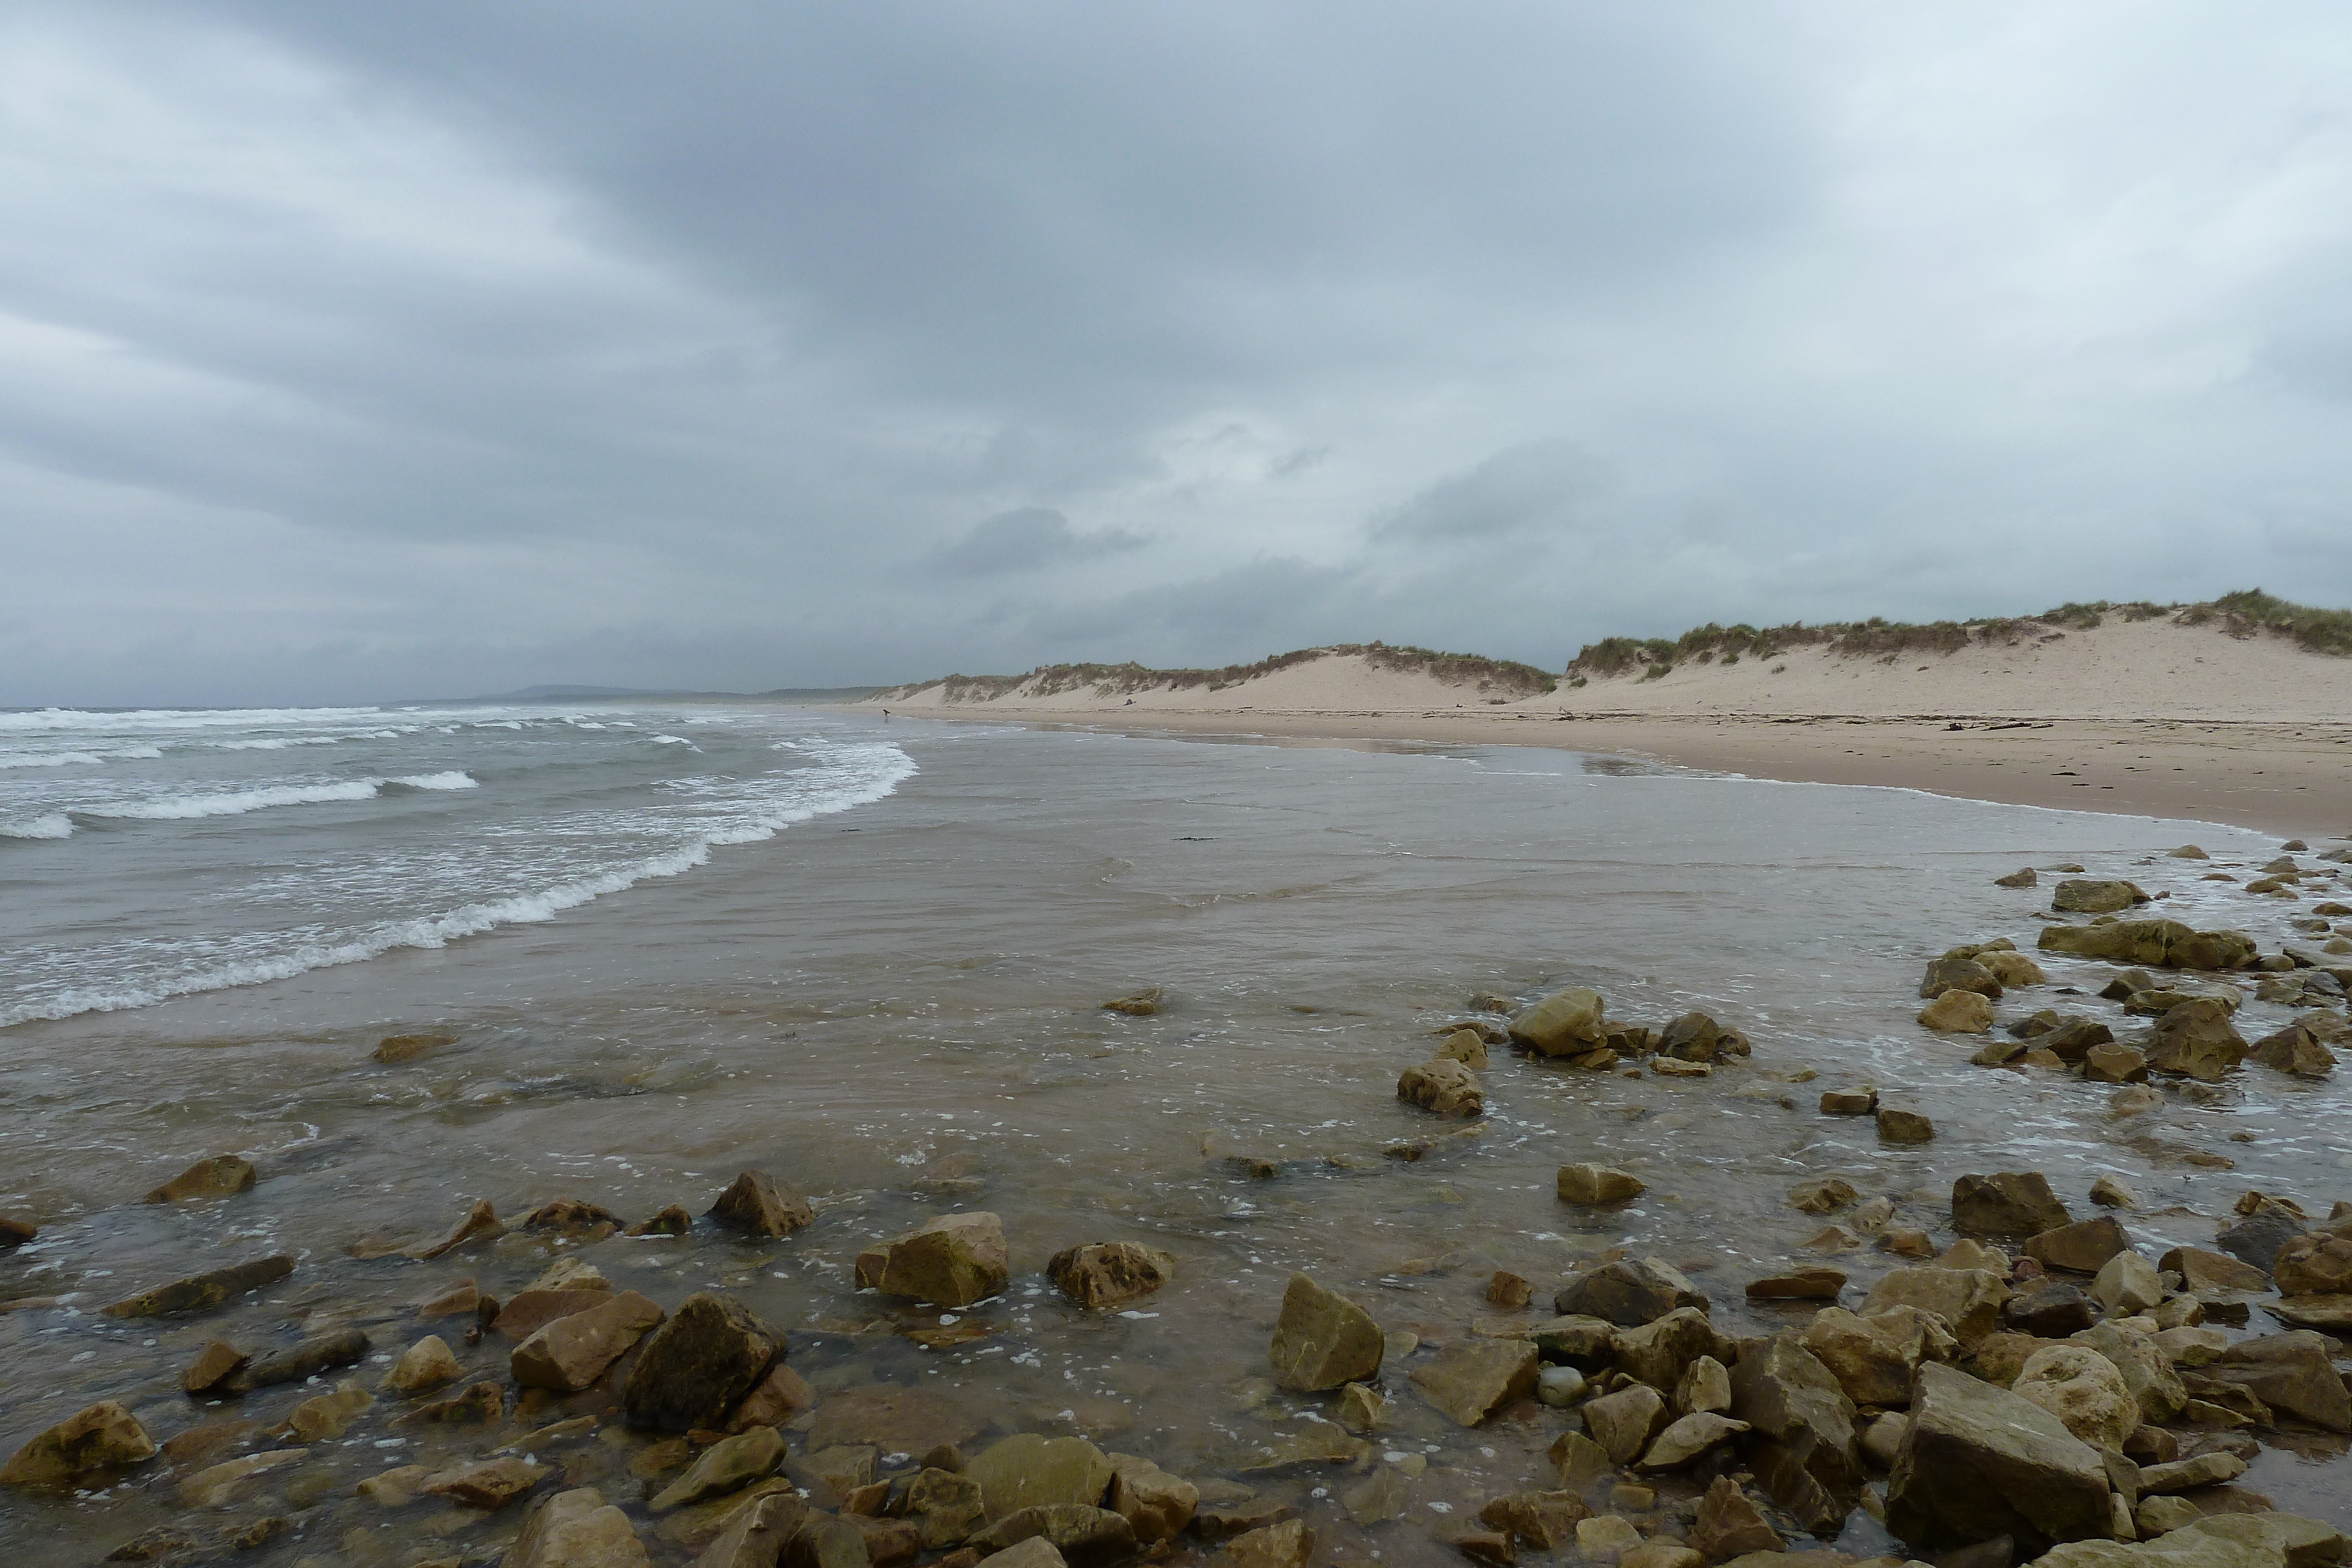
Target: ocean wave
point(232, 803)
point(672, 741)
point(452, 780)
point(75, 758)
point(53, 825)
point(54, 720)
point(849, 775)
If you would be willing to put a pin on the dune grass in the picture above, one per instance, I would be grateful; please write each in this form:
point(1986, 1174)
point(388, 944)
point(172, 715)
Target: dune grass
point(2246, 613)
point(1504, 677)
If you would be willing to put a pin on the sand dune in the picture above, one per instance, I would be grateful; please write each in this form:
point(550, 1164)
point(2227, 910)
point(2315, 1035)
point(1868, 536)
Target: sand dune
point(2146, 716)
point(2120, 670)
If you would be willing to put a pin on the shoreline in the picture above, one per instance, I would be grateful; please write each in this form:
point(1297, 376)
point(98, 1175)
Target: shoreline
point(2292, 779)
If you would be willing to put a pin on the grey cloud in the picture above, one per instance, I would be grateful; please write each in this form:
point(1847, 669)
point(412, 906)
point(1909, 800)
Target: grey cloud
point(1026, 539)
point(1544, 485)
point(359, 351)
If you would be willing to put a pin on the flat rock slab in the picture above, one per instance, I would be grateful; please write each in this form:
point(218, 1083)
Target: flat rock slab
point(200, 1290)
point(1981, 1461)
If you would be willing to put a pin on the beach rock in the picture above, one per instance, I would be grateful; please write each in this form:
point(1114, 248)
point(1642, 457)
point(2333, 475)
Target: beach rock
point(1826, 1195)
point(1323, 1340)
point(695, 1367)
point(574, 1217)
point(1686, 1438)
point(1590, 1184)
point(1814, 1284)
point(1954, 972)
point(1509, 1291)
point(1957, 1012)
point(2114, 1064)
point(2009, 1203)
point(529, 1311)
point(729, 1465)
point(463, 1299)
point(2154, 944)
point(952, 1260)
point(2204, 1469)
point(2293, 1050)
point(1140, 1004)
point(2081, 1248)
point(1471, 1379)
point(1624, 1423)
point(759, 1205)
point(326, 1415)
point(2261, 1229)
point(1904, 1127)
point(2202, 1270)
point(945, 1508)
point(2072, 1038)
point(479, 1223)
point(671, 1222)
point(221, 1485)
point(2013, 970)
point(1629, 1292)
point(1606, 1538)
point(755, 1535)
point(1082, 1536)
point(2128, 1283)
point(398, 1047)
point(476, 1404)
point(1156, 1505)
point(1110, 1273)
point(213, 1365)
point(1542, 1520)
point(1028, 1470)
point(2265, 1539)
point(1659, 1353)
point(2145, 1369)
point(1981, 1461)
point(219, 1177)
point(1467, 1046)
point(306, 1358)
point(2088, 896)
point(2083, 1390)
point(1806, 1457)
point(2291, 1372)
point(2049, 1310)
point(2314, 1265)
point(427, 1363)
point(1874, 1359)
point(2024, 878)
point(573, 1351)
point(1729, 1525)
point(2194, 1040)
point(578, 1529)
point(1704, 1386)
point(1566, 1023)
point(104, 1437)
point(1444, 1086)
point(200, 1290)
point(1693, 1037)
point(1849, 1102)
point(1288, 1544)
point(1559, 1387)
point(1968, 1299)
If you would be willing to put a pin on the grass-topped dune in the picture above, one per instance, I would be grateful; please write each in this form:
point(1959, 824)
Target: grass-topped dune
point(2246, 655)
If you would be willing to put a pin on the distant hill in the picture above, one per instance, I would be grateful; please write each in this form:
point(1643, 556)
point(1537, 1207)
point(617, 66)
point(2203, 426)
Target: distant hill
point(567, 694)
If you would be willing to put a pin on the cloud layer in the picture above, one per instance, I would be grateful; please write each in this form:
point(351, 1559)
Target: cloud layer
point(359, 352)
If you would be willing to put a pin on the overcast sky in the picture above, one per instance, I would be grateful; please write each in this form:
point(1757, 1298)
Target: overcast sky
point(369, 351)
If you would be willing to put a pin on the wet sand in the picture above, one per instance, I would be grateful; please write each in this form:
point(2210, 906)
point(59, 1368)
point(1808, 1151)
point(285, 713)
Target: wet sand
point(897, 1012)
point(2292, 779)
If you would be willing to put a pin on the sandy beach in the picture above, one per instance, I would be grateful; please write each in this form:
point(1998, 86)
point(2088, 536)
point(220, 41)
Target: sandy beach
point(2150, 719)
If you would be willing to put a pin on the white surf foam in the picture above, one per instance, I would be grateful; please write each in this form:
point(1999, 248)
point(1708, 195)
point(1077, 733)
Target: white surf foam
point(234, 803)
point(452, 780)
point(849, 775)
point(51, 825)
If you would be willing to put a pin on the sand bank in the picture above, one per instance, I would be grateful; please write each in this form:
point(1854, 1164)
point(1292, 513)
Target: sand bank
point(2147, 718)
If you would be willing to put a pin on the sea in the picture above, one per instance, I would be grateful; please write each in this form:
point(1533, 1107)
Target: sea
point(663, 944)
